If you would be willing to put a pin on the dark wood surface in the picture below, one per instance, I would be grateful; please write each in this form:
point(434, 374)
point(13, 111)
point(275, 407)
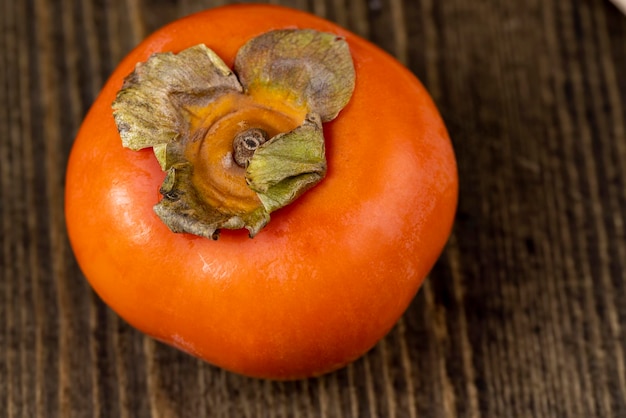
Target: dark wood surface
point(523, 316)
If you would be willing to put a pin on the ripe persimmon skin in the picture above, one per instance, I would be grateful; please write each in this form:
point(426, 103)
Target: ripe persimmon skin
point(331, 273)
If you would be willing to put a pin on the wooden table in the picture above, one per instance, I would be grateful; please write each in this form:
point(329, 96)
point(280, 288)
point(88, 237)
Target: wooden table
point(523, 316)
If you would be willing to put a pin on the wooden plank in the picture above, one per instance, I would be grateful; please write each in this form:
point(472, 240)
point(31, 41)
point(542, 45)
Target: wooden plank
point(522, 315)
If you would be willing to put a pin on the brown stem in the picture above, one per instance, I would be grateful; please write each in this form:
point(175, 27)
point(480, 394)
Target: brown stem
point(245, 143)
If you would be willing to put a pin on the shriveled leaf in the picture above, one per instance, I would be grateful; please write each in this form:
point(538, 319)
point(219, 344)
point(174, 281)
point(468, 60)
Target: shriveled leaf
point(173, 102)
point(150, 109)
point(184, 210)
point(315, 68)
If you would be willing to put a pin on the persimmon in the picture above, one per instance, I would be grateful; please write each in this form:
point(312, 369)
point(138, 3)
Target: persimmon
point(262, 189)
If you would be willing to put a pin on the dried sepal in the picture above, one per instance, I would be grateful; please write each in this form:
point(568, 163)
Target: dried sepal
point(151, 109)
point(175, 103)
point(288, 165)
point(313, 68)
point(183, 209)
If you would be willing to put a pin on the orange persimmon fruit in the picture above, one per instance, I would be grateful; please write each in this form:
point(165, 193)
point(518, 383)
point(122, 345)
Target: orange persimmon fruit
point(332, 271)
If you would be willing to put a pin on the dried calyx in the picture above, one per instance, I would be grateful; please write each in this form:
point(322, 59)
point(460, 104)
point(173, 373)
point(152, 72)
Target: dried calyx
point(236, 145)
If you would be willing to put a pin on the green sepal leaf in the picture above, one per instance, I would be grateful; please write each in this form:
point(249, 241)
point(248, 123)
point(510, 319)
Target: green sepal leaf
point(289, 164)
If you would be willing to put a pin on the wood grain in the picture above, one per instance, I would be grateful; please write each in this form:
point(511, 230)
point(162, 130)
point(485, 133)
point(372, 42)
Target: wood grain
point(523, 315)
